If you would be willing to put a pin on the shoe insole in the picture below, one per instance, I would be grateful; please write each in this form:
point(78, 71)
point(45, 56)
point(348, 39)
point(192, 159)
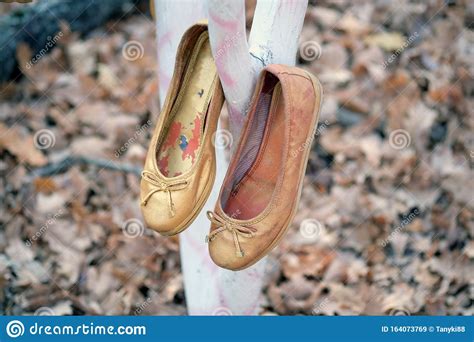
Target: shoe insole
point(253, 193)
point(182, 137)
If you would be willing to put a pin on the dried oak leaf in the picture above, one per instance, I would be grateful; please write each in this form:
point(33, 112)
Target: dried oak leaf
point(21, 146)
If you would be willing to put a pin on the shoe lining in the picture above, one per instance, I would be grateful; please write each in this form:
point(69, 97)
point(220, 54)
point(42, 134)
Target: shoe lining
point(181, 140)
point(250, 190)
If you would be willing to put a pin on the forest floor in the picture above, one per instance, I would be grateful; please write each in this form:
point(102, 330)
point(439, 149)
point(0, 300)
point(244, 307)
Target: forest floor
point(386, 220)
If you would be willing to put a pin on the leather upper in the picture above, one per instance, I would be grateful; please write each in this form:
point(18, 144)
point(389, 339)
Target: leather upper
point(240, 243)
point(170, 204)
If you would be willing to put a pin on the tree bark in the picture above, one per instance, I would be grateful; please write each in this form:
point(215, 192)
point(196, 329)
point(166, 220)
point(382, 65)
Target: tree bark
point(38, 23)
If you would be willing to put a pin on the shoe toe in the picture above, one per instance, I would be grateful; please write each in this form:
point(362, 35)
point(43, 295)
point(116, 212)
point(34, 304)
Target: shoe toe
point(225, 254)
point(159, 217)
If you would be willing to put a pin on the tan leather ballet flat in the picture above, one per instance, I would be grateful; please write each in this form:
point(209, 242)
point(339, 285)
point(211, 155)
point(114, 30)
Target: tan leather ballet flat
point(262, 187)
point(180, 165)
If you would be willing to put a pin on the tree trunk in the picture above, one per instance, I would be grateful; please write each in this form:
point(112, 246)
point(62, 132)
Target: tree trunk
point(37, 24)
point(211, 290)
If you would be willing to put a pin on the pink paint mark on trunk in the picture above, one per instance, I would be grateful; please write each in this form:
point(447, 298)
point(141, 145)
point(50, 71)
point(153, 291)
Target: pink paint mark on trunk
point(164, 38)
point(163, 76)
point(202, 252)
point(220, 52)
point(252, 308)
point(226, 78)
point(236, 118)
point(230, 25)
point(250, 311)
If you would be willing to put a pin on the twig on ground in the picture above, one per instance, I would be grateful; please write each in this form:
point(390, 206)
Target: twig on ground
point(64, 164)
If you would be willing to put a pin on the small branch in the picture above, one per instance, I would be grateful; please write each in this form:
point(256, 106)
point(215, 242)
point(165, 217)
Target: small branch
point(66, 163)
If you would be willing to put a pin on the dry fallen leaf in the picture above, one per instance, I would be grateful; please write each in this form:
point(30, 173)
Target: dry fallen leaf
point(389, 41)
point(21, 145)
point(393, 223)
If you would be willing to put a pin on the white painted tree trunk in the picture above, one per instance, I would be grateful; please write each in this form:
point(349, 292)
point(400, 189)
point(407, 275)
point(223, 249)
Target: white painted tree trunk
point(273, 39)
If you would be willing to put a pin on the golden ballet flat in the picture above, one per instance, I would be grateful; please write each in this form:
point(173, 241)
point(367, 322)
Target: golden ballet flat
point(262, 187)
point(179, 170)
